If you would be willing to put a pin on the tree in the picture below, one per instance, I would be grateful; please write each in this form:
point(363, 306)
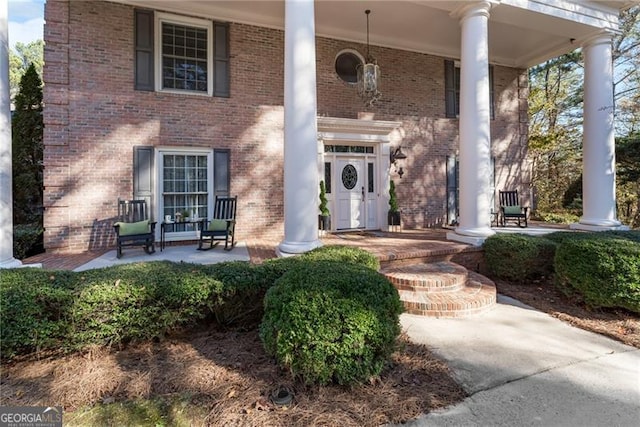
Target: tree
point(27, 149)
point(21, 59)
point(555, 111)
point(628, 191)
point(554, 128)
point(626, 58)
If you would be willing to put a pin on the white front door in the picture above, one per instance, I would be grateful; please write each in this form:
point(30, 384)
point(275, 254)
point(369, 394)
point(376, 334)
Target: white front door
point(350, 177)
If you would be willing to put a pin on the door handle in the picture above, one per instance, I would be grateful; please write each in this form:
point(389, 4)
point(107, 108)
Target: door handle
point(363, 193)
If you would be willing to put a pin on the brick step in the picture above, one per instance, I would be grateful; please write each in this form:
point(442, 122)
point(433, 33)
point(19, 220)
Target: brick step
point(442, 289)
point(441, 276)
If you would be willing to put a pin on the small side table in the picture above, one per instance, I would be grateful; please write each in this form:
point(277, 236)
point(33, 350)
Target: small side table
point(175, 226)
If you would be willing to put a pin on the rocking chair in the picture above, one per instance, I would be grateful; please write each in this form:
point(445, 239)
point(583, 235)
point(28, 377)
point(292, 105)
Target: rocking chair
point(510, 208)
point(222, 226)
point(133, 227)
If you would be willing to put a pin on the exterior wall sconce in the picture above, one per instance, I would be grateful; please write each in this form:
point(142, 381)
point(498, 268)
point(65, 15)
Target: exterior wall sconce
point(394, 157)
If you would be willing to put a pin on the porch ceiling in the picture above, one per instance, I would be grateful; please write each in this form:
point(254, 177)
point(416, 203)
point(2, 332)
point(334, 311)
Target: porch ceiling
point(522, 33)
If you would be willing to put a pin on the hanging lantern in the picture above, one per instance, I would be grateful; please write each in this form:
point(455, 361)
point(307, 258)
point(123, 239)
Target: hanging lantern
point(369, 75)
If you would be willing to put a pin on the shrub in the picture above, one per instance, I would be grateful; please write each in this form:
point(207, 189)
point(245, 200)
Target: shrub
point(328, 321)
point(604, 268)
point(140, 301)
point(243, 289)
point(518, 257)
point(25, 237)
point(342, 253)
point(33, 308)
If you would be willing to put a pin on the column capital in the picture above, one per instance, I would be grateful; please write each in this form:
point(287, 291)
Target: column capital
point(601, 37)
point(480, 8)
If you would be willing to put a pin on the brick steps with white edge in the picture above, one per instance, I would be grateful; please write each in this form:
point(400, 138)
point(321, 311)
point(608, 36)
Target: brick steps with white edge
point(442, 289)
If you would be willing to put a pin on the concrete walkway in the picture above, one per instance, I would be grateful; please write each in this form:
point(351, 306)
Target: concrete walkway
point(522, 367)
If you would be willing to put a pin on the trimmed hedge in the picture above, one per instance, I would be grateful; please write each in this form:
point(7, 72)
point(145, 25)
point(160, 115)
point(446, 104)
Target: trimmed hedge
point(519, 257)
point(341, 253)
point(63, 310)
point(331, 321)
point(604, 268)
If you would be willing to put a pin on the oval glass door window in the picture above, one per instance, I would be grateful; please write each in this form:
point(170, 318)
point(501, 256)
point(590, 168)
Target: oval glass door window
point(349, 177)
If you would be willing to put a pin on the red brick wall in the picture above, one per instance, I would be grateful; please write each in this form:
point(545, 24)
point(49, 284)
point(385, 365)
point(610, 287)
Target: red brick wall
point(94, 118)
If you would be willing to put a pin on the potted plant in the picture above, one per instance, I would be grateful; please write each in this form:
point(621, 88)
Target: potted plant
point(185, 215)
point(393, 217)
point(324, 218)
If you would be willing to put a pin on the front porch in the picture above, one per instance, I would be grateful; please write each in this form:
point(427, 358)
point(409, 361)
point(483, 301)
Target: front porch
point(390, 247)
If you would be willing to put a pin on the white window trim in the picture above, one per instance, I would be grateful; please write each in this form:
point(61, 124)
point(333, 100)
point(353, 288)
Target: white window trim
point(192, 22)
point(181, 151)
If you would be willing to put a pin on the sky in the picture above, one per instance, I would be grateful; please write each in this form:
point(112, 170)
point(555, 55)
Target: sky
point(26, 21)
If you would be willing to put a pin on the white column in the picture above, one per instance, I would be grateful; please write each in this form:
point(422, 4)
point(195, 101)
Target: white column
point(6, 198)
point(301, 183)
point(475, 138)
point(598, 143)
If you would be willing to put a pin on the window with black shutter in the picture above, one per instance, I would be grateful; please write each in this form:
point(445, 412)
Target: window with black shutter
point(452, 90)
point(181, 54)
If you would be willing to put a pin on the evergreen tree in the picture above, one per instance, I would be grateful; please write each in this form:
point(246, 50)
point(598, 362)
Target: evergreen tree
point(27, 150)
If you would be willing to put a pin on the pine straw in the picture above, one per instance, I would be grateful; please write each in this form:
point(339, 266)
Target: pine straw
point(619, 324)
point(229, 374)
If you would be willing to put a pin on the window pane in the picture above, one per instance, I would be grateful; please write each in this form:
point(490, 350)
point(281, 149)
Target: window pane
point(184, 57)
point(185, 186)
point(327, 176)
point(370, 177)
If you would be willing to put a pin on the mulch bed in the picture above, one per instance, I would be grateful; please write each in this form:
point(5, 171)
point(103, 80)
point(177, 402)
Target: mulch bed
point(229, 374)
point(619, 324)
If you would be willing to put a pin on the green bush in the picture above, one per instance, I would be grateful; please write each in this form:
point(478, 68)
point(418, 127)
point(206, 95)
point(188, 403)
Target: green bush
point(603, 268)
point(243, 289)
point(330, 321)
point(25, 236)
point(33, 310)
point(342, 253)
point(560, 217)
point(140, 301)
point(519, 257)
point(64, 310)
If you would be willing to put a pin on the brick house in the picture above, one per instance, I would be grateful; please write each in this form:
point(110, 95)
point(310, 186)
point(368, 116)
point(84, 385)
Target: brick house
point(178, 102)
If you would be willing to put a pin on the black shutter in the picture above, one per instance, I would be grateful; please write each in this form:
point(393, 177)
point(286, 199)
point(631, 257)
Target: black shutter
point(143, 29)
point(449, 89)
point(221, 176)
point(221, 74)
point(143, 176)
point(452, 190)
point(491, 97)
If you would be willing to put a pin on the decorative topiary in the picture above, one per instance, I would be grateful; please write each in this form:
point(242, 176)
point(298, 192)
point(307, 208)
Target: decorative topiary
point(324, 210)
point(331, 322)
point(519, 257)
point(603, 268)
point(393, 200)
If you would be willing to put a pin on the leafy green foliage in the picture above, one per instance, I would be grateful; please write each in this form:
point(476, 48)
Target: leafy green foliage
point(27, 155)
point(341, 253)
point(603, 268)
point(324, 210)
point(25, 237)
point(140, 301)
point(329, 321)
point(42, 309)
point(21, 58)
point(393, 199)
point(34, 307)
point(519, 257)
